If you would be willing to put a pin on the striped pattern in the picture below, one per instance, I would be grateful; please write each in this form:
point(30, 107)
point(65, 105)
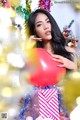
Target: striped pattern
point(48, 103)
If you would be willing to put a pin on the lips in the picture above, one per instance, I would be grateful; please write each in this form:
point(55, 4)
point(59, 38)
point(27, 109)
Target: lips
point(48, 33)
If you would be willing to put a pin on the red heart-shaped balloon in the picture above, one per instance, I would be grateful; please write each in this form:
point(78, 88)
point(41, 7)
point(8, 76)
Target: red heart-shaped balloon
point(47, 72)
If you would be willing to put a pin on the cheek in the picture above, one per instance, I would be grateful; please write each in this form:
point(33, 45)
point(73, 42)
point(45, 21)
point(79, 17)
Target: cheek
point(39, 33)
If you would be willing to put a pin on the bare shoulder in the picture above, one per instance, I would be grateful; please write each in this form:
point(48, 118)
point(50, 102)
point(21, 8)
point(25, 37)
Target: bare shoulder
point(69, 49)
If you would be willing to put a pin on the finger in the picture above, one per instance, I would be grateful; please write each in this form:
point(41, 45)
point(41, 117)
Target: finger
point(34, 38)
point(61, 65)
point(56, 56)
point(38, 39)
point(58, 60)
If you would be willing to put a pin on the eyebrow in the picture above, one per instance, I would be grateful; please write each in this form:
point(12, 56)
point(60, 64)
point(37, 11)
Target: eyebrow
point(41, 21)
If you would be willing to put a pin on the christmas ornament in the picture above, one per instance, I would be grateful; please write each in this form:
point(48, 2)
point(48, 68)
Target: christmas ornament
point(68, 35)
point(45, 4)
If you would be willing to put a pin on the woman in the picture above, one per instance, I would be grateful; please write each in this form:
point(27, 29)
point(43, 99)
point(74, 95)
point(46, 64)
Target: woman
point(46, 33)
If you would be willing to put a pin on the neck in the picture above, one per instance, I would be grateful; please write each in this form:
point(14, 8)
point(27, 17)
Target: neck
point(48, 47)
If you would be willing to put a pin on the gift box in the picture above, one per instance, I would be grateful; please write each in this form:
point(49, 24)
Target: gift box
point(48, 103)
point(44, 102)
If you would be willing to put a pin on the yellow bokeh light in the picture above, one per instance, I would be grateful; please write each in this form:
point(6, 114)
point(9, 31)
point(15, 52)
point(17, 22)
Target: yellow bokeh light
point(6, 92)
point(78, 100)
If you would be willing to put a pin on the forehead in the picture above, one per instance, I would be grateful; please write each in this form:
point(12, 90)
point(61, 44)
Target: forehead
point(40, 17)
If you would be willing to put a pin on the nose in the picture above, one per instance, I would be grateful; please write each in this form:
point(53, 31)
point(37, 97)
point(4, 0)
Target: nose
point(45, 26)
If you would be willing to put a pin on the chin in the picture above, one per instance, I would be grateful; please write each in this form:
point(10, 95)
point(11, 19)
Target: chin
point(48, 38)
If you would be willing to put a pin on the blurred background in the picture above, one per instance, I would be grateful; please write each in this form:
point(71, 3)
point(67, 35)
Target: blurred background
point(13, 52)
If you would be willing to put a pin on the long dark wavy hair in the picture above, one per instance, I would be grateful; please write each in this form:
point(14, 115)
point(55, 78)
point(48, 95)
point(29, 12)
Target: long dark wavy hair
point(58, 41)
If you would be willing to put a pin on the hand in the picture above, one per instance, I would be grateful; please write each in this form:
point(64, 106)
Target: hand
point(32, 42)
point(33, 37)
point(65, 62)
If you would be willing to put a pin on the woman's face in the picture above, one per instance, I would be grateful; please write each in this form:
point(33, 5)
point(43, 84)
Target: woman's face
point(43, 27)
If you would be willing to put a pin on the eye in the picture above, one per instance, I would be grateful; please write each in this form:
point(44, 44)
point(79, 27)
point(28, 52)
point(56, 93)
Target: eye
point(38, 25)
point(48, 21)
